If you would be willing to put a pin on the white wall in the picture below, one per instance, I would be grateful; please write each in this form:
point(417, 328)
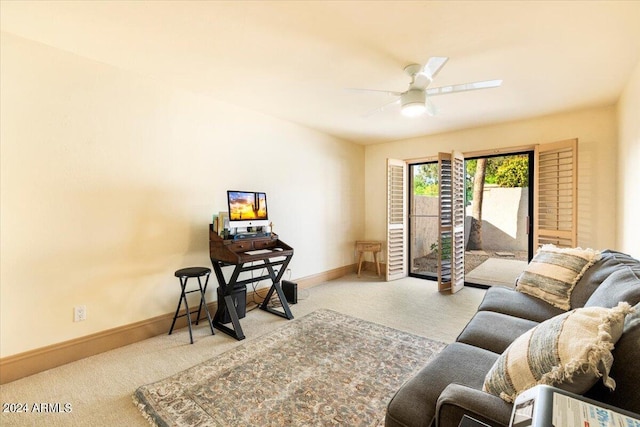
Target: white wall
point(109, 180)
point(629, 167)
point(596, 130)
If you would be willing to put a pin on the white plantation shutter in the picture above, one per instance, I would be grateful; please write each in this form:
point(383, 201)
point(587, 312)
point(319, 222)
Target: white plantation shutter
point(396, 219)
point(555, 196)
point(457, 175)
point(451, 222)
point(445, 221)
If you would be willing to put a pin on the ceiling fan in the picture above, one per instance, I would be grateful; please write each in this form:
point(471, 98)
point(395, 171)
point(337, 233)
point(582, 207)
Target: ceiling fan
point(416, 99)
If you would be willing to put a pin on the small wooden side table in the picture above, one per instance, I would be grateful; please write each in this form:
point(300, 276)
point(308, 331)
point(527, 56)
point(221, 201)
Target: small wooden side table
point(372, 246)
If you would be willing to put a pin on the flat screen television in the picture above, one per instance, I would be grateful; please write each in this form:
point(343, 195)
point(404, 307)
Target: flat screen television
point(247, 209)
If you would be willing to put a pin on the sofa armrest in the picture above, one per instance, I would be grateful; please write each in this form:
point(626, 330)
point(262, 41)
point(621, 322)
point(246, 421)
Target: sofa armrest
point(457, 400)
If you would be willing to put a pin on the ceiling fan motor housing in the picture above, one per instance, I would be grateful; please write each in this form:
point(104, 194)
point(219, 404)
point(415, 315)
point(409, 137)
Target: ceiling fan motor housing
point(413, 69)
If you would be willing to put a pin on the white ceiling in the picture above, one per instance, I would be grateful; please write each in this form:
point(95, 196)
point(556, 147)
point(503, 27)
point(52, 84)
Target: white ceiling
point(295, 59)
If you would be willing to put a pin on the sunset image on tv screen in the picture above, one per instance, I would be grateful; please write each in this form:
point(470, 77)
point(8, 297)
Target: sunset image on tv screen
point(247, 206)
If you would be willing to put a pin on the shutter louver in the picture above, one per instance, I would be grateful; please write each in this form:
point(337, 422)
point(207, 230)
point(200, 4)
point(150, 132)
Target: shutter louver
point(458, 178)
point(396, 228)
point(451, 174)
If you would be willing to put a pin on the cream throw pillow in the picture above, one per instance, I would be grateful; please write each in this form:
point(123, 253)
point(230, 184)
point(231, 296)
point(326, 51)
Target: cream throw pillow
point(553, 273)
point(570, 351)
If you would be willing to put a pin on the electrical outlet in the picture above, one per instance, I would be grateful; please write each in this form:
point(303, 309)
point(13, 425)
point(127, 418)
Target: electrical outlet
point(79, 313)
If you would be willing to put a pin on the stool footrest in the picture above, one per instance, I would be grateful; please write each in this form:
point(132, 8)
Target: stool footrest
point(185, 314)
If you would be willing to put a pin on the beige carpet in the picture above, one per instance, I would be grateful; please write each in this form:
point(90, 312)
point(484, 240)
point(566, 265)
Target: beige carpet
point(99, 388)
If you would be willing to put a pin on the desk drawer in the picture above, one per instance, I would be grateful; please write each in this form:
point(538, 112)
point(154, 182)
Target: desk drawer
point(264, 244)
point(241, 246)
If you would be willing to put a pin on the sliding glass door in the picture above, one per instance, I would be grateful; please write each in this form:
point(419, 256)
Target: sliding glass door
point(423, 219)
point(497, 212)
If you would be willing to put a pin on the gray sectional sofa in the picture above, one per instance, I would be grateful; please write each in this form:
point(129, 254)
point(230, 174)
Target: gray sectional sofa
point(450, 385)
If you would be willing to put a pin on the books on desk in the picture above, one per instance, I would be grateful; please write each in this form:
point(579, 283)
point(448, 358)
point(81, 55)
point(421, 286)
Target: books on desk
point(220, 222)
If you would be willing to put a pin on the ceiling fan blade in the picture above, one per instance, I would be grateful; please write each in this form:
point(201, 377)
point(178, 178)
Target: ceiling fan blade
point(443, 90)
point(432, 110)
point(433, 66)
point(381, 108)
point(388, 92)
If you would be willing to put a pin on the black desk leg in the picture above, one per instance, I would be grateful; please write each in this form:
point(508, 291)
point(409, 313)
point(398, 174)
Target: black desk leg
point(236, 332)
point(227, 289)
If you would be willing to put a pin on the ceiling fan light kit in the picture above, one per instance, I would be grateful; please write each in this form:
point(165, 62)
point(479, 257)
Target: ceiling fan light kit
point(413, 102)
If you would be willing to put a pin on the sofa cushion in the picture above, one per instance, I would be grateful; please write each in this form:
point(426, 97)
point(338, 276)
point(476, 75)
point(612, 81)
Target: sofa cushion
point(625, 369)
point(494, 331)
point(508, 301)
point(415, 403)
point(553, 273)
point(609, 262)
point(621, 285)
point(570, 351)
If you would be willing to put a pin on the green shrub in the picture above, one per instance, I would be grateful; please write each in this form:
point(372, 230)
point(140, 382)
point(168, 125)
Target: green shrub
point(513, 172)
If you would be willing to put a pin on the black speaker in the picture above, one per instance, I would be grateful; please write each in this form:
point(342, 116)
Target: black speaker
point(290, 290)
point(239, 298)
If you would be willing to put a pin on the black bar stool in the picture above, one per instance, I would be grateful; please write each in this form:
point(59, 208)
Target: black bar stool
point(184, 274)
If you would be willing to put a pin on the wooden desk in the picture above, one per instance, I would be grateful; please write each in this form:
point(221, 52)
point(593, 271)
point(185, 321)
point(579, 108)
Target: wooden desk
point(249, 254)
point(372, 246)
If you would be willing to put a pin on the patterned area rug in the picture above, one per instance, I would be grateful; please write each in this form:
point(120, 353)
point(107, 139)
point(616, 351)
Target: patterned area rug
point(323, 369)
